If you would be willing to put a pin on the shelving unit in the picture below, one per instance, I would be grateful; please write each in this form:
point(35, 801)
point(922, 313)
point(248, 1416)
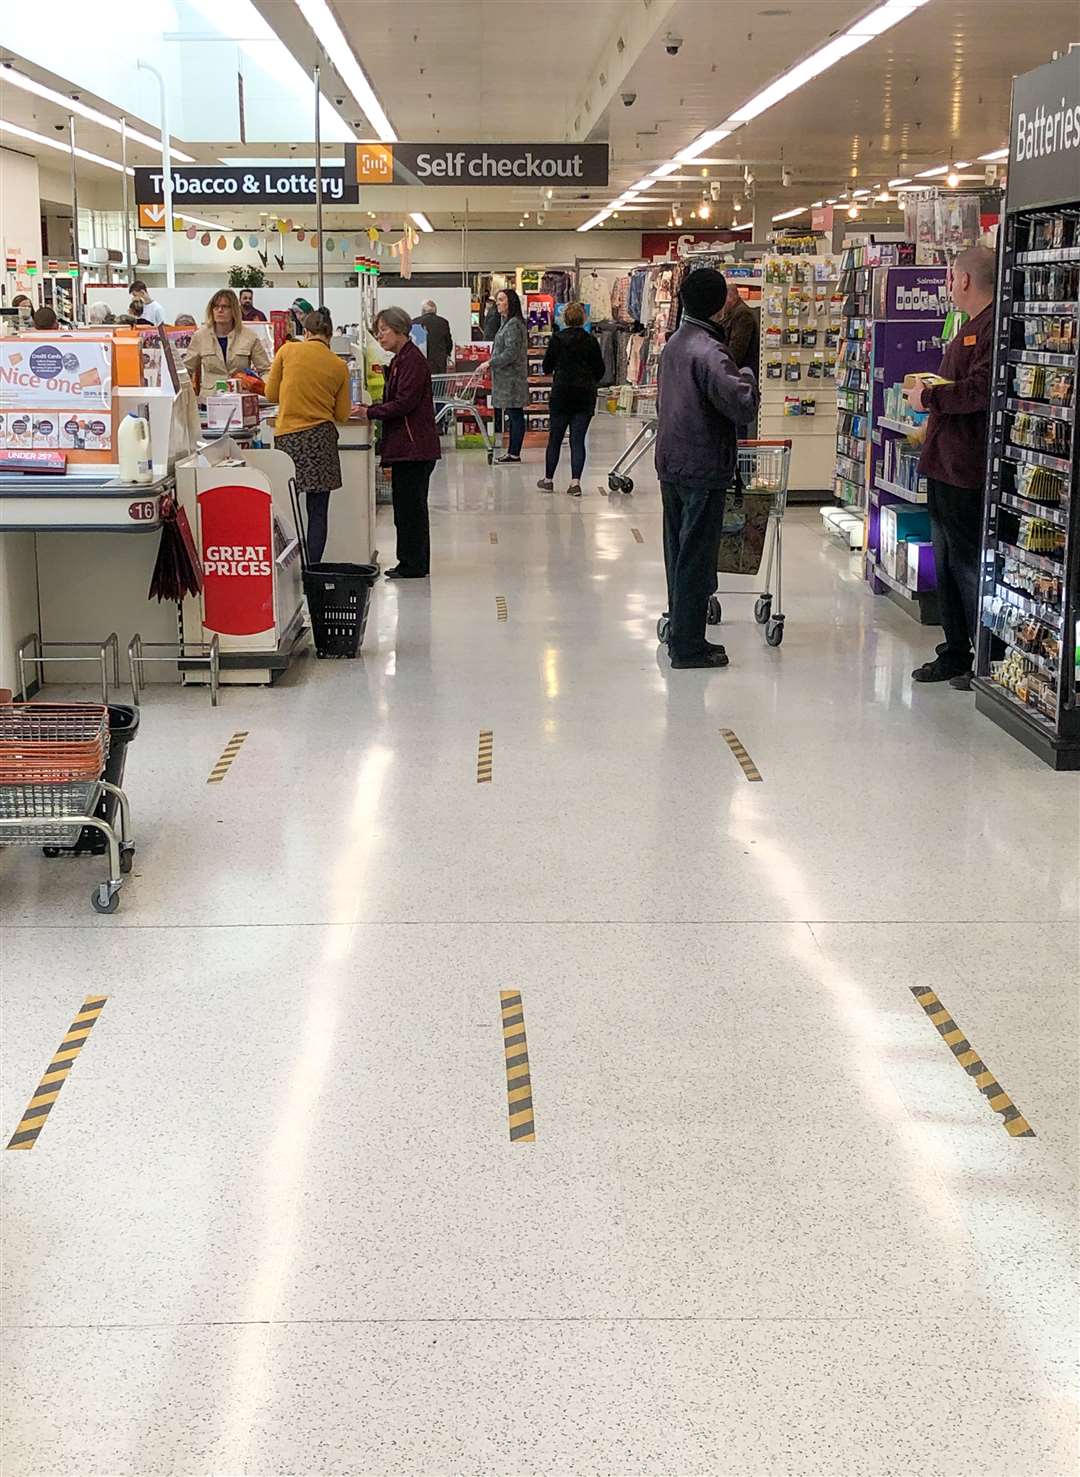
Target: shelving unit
point(850, 485)
point(800, 336)
point(1026, 664)
point(908, 310)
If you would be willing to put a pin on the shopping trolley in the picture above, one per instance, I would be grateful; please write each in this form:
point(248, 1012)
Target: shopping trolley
point(617, 479)
point(52, 777)
point(458, 391)
point(764, 468)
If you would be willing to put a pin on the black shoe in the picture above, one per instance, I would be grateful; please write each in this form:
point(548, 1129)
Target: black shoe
point(712, 656)
point(942, 669)
point(962, 682)
point(500, 461)
point(397, 573)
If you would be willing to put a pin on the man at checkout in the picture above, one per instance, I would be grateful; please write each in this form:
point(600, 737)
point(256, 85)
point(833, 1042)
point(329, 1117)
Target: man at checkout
point(953, 461)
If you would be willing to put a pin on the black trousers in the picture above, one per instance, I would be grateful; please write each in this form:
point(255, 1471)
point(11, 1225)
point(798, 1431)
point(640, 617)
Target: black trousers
point(318, 512)
point(577, 422)
point(516, 421)
point(956, 529)
point(693, 522)
point(409, 486)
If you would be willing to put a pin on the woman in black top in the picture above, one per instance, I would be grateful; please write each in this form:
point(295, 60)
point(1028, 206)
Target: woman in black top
point(576, 362)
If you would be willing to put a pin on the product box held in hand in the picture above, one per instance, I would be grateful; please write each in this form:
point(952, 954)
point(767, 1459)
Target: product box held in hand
point(244, 410)
point(930, 380)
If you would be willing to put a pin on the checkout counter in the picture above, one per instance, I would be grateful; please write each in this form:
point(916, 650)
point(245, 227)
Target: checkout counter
point(85, 571)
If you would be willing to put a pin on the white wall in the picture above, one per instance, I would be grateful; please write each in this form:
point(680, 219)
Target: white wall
point(439, 251)
point(455, 303)
point(18, 600)
point(20, 211)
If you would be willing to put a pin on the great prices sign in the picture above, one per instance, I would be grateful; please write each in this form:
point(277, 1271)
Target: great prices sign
point(236, 546)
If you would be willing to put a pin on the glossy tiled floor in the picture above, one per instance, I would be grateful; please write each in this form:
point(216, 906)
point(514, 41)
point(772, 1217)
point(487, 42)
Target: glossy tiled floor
point(274, 1224)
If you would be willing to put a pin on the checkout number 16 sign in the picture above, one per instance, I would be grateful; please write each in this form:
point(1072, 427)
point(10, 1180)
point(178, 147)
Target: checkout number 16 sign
point(236, 537)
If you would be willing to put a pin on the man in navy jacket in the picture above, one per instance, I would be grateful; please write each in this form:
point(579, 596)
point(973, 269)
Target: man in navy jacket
point(701, 402)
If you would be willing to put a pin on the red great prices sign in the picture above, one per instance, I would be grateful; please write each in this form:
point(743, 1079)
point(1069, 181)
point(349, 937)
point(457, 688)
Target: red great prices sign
point(237, 550)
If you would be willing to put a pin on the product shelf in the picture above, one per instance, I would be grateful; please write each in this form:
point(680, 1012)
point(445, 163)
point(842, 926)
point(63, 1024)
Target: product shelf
point(1047, 258)
point(1043, 408)
point(1024, 709)
point(1050, 615)
point(1058, 515)
point(884, 485)
point(903, 428)
point(1021, 454)
point(1033, 561)
point(1042, 356)
point(1033, 308)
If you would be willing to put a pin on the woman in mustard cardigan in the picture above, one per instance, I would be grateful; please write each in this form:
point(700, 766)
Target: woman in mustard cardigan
point(310, 385)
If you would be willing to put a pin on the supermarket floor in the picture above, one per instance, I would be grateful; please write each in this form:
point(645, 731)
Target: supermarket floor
point(275, 1223)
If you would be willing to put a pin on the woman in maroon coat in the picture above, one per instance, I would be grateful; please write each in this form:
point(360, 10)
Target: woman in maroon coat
point(410, 442)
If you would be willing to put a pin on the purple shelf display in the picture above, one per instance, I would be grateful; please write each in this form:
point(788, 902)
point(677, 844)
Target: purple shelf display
point(910, 306)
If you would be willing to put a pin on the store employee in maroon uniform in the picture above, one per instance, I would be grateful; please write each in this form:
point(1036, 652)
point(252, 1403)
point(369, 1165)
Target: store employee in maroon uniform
point(953, 461)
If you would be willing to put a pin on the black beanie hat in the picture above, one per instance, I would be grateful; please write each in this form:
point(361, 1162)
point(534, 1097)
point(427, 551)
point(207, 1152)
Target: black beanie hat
point(704, 292)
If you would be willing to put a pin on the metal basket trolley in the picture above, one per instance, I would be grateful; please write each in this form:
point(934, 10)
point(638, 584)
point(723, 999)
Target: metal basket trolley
point(764, 466)
point(52, 766)
point(618, 479)
point(458, 391)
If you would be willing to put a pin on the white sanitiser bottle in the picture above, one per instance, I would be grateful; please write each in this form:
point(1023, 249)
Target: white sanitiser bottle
point(133, 449)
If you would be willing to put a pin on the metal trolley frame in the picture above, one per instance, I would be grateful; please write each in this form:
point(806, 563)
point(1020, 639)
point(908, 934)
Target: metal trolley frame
point(764, 466)
point(47, 748)
point(456, 391)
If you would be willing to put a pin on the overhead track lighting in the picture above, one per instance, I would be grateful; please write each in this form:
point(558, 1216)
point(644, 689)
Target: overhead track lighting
point(333, 41)
point(420, 219)
point(61, 148)
point(9, 76)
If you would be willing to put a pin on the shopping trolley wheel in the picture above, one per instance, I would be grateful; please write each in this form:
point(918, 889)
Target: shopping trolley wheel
point(614, 482)
point(715, 612)
point(50, 851)
point(774, 631)
point(105, 897)
point(127, 859)
point(491, 457)
point(763, 609)
point(663, 628)
point(627, 485)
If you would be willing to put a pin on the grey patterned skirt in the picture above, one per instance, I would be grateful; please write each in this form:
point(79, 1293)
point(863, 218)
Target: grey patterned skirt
point(314, 451)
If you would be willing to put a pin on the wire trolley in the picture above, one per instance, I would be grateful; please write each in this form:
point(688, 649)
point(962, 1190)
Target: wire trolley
point(753, 529)
point(52, 766)
point(458, 391)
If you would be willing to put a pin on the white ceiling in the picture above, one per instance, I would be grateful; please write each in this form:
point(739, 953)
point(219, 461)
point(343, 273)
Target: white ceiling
point(936, 86)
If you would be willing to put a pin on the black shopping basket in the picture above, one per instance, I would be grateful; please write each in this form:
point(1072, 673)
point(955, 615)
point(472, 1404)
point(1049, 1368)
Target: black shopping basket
point(338, 596)
point(123, 727)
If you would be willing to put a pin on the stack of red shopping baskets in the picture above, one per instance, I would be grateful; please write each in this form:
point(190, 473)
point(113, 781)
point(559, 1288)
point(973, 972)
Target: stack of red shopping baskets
point(52, 758)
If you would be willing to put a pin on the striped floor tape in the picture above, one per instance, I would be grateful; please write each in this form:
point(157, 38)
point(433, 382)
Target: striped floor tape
point(1015, 1123)
point(500, 607)
point(484, 756)
point(56, 1073)
point(518, 1079)
point(493, 536)
point(746, 764)
point(228, 754)
point(637, 536)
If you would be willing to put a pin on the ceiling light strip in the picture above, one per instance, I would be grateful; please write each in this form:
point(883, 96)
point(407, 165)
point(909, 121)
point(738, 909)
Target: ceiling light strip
point(420, 219)
point(789, 215)
point(52, 143)
point(332, 39)
point(8, 75)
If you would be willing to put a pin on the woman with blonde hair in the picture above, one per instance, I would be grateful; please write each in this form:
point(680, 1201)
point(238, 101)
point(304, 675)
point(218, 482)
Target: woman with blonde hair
point(225, 345)
point(310, 385)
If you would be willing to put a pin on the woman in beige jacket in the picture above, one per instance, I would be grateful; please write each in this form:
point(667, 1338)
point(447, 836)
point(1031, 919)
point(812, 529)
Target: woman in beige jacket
point(225, 344)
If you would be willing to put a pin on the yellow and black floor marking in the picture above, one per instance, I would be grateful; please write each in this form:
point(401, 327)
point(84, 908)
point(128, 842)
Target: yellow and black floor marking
point(746, 764)
point(493, 536)
point(48, 1089)
point(484, 757)
point(228, 754)
point(500, 607)
point(1015, 1123)
point(637, 536)
point(518, 1081)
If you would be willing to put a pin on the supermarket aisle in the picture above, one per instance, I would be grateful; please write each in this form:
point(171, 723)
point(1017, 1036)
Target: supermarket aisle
point(275, 1222)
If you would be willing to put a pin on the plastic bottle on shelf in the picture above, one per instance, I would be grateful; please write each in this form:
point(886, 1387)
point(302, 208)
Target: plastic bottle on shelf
point(133, 449)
